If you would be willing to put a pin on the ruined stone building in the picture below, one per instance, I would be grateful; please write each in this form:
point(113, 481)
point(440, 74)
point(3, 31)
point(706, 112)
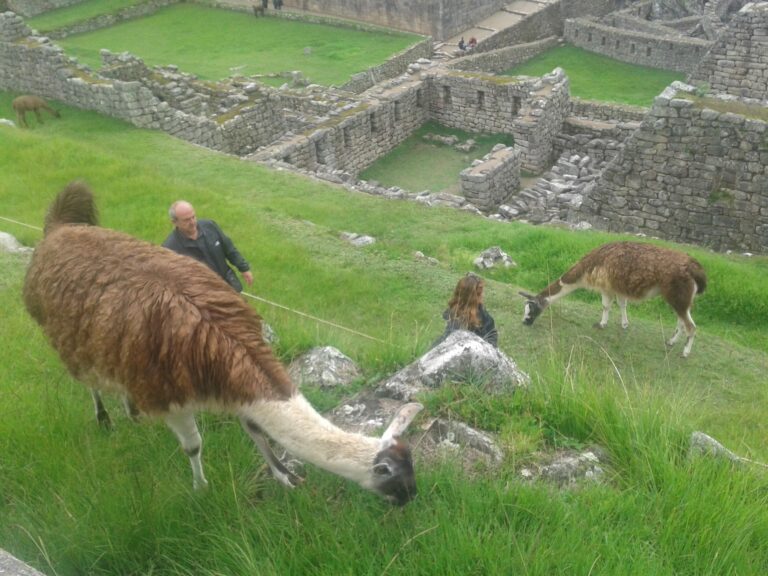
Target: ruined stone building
point(691, 168)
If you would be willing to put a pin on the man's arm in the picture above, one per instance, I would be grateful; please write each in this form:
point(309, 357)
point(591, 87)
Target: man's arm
point(232, 254)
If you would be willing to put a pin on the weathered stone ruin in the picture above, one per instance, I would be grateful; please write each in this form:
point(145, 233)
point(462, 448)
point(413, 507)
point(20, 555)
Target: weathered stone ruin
point(690, 168)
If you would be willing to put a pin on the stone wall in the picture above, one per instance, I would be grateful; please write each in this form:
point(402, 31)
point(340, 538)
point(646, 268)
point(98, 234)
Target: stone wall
point(488, 182)
point(549, 21)
point(678, 54)
point(737, 63)
point(35, 65)
point(352, 140)
point(440, 19)
point(693, 173)
point(531, 109)
point(29, 8)
point(105, 20)
point(394, 66)
point(607, 111)
point(501, 60)
point(541, 120)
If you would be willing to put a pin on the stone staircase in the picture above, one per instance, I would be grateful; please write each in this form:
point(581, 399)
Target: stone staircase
point(510, 15)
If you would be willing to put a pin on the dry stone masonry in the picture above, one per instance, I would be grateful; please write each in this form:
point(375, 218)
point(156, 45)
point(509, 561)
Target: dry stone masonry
point(693, 172)
point(691, 168)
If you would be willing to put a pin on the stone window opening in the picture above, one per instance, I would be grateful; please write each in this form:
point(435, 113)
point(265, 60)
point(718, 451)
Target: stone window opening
point(372, 118)
point(515, 105)
point(632, 48)
point(648, 51)
point(321, 151)
point(480, 99)
point(446, 95)
point(602, 41)
point(617, 44)
point(346, 133)
point(589, 37)
point(398, 111)
point(419, 99)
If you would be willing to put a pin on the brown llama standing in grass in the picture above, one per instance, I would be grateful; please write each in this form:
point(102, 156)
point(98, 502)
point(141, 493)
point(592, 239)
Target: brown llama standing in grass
point(630, 271)
point(24, 104)
point(174, 338)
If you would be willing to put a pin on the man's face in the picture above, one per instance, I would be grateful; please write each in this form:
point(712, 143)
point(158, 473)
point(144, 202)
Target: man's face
point(186, 221)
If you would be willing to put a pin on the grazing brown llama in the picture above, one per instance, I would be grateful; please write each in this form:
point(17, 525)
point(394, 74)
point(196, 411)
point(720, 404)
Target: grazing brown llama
point(630, 271)
point(173, 337)
point(24, 104)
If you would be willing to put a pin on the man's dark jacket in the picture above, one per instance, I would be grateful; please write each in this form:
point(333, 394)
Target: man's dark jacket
point(213, 248)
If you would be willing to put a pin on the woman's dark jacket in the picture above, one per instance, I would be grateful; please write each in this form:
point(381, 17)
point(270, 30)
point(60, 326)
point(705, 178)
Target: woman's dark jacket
point(486, 330)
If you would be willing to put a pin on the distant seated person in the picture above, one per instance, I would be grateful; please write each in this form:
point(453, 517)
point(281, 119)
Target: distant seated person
point(466, 311)
point(472, 43)
point(462, 44)
point(203, 240)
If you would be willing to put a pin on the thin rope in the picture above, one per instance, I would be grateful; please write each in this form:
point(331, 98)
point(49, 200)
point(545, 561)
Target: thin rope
point(21, 223)
point(259, 298)
point(315, 318)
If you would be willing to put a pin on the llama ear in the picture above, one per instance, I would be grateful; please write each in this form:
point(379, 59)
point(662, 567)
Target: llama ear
point(525, 294)
point(400, 422)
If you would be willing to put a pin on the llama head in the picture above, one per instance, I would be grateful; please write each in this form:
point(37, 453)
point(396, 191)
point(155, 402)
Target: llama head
point(393, 475)
point(532, 309)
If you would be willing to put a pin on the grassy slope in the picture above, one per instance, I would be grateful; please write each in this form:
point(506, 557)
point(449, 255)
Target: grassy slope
point(119, 503)
point(211, 43)
point(596, 77)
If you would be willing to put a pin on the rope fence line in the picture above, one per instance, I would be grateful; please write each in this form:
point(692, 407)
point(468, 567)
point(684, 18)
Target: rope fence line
point(21, 223)
point(315, 318)
point(259, 298)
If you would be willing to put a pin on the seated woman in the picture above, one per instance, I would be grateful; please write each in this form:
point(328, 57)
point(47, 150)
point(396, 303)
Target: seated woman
point(466, 311)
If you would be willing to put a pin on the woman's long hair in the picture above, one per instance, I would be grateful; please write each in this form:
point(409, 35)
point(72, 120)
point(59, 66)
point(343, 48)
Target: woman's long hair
point(467, 297)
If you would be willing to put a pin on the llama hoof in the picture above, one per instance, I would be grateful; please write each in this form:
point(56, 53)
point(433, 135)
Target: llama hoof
point(598, 326)
point(288, 478)
point(200, 485)
point(104, 421)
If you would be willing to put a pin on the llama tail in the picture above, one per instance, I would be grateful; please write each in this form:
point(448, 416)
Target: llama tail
point(73, 205)
point(699, 276)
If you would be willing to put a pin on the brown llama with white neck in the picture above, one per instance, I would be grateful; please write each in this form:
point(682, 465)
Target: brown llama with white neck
point(174, 338)
point(630, 271)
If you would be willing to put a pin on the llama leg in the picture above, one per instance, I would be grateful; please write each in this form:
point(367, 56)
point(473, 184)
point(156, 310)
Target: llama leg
point(622, 302)
point(130, 408)
point(607, 301)
point(22, 118)
point(676, 335)
point(684, 325)
point(38, 116)
point(102, 416)
point(279, 470)
point(184, 426)
point(690, 330)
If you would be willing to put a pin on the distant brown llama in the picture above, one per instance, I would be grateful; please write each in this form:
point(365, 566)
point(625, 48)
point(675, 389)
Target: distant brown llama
point(23, 104)
point(630, 271)
point(173, 337)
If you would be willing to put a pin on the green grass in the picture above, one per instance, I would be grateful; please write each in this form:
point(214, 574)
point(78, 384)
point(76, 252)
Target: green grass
point(404, 166)
point(76, 500)
point(596, 77)
point(214, 44)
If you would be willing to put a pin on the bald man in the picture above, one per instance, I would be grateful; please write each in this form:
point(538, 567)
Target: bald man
point(203, 240)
